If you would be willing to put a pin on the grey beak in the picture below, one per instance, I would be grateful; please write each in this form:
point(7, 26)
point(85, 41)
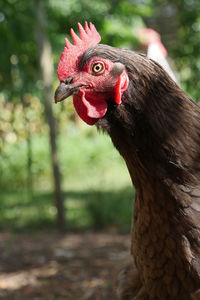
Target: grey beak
point(65, 90)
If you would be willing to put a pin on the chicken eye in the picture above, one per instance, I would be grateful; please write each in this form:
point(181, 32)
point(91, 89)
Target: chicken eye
point(98, 68)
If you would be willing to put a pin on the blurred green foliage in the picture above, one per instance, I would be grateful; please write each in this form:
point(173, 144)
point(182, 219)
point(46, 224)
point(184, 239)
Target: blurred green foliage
point(86, 209)
point(187, 49)
point(186, 41)
point(97, 187)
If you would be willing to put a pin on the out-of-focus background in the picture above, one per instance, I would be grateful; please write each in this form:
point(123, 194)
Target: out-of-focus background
point(57, 174)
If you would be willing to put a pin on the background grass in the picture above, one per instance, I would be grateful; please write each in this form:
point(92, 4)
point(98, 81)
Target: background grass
point(97, 188)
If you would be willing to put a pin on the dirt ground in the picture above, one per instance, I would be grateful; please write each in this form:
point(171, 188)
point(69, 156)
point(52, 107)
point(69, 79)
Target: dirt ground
point(54, 267)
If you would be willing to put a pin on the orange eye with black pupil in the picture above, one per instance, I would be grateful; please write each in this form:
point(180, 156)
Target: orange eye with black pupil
point(98, 68)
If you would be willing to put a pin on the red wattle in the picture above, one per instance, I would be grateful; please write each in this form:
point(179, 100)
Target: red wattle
point(96, 105)
point(90, 108)
point(82, 110)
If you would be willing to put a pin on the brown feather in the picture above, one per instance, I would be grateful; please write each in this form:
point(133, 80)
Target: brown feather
point(157, 131)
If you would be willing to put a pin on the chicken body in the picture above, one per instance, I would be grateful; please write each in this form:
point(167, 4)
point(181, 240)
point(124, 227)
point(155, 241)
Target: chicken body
point(156, 128)
point(157, 131)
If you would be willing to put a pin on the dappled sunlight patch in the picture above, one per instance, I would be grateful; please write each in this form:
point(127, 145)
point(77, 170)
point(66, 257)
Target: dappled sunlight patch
point(71, 241)
point(52, 266)
point(17, 280)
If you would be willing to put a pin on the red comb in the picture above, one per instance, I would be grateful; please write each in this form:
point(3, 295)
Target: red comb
point(68, 61)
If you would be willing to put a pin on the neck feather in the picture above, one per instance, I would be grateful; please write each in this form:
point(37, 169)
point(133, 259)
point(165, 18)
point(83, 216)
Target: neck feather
point(159, 140)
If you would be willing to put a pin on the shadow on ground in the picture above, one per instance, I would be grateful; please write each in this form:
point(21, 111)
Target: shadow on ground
point(61, 267)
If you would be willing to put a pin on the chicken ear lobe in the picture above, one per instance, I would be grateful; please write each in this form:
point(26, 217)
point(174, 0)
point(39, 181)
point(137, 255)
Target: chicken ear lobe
point(121, 86)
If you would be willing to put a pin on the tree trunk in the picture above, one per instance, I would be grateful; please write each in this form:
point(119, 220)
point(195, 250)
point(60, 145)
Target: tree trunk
point(29, 163)
point(46, 66)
